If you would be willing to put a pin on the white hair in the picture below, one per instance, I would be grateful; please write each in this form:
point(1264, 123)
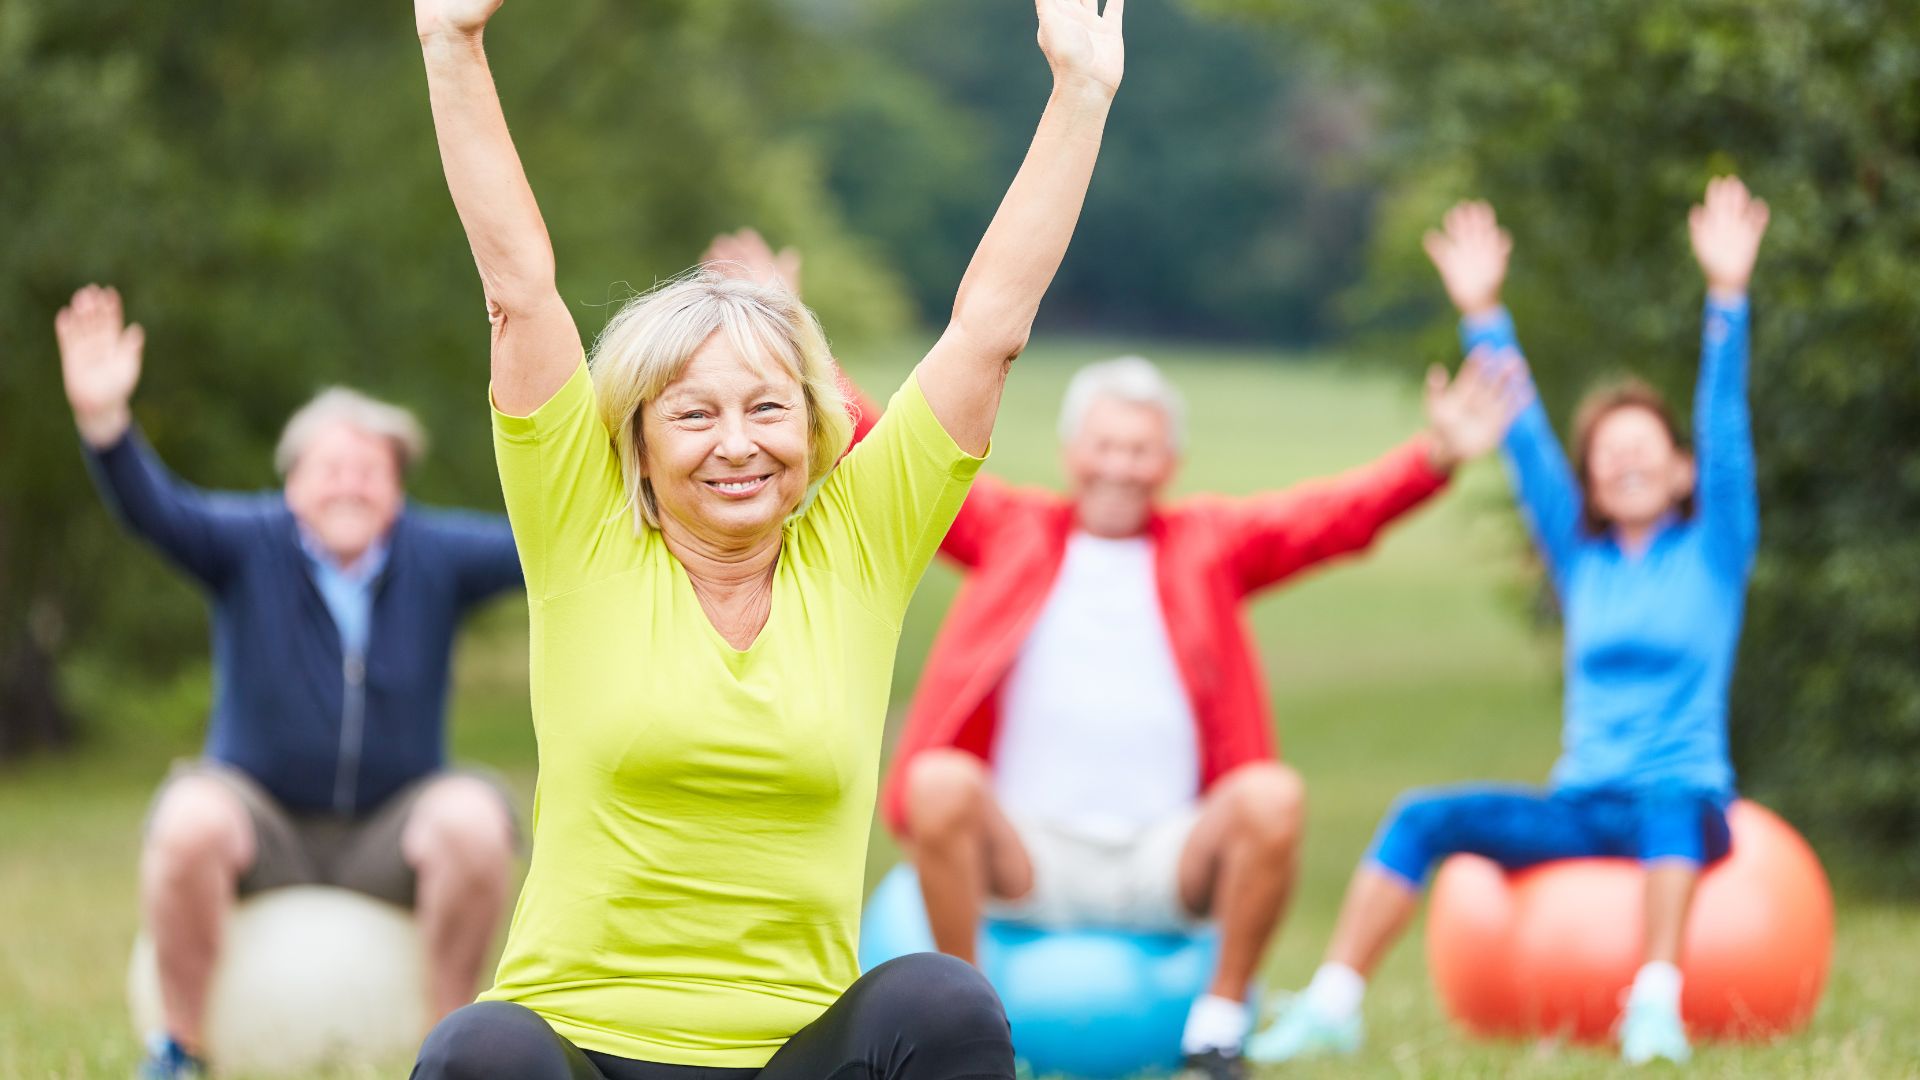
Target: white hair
point(339, 405)
point(1132, 379)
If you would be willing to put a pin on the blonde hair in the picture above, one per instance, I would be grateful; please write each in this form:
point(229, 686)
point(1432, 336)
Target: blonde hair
point(339, 405)
point(650, 341)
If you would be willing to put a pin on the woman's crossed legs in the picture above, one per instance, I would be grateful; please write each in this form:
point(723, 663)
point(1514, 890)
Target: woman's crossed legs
point(920, 1017)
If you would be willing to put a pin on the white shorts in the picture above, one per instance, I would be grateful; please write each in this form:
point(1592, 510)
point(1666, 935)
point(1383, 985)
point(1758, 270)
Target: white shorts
point(1130, 883)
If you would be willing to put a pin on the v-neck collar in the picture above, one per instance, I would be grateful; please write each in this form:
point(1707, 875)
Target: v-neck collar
point(683, 581)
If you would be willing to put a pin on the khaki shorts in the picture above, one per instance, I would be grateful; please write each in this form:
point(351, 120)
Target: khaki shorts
point(1121, 884)
point(362, 854)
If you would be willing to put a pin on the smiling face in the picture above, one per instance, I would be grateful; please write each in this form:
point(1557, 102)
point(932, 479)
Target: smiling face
point(725, 447)
point(1635, 473)
point(345, 489)
point(1117, 463)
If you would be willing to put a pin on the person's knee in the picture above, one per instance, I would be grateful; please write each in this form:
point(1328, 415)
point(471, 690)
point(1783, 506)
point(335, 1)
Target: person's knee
point(946, 795)
point(489, 1039)
point(940, 1003)
point(1418, 814)
point(198, 823)
point(460, 827)
point(1418, 831)
point(1270, 805)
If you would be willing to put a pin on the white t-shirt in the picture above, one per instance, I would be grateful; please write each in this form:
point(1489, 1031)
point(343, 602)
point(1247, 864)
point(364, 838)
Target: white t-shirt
point(1097, 734)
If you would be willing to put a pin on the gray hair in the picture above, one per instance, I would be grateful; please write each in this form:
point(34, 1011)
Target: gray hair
point(1133, 379)
point(339, 405)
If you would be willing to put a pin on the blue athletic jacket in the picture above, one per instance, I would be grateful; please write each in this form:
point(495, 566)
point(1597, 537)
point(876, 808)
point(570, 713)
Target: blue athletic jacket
point(1650, 639)
point(322, 731)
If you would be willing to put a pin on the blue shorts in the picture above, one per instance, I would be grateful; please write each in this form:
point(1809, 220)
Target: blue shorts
point(1519, 827)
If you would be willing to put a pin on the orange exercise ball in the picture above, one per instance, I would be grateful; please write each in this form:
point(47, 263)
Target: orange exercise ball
point(1552, 950)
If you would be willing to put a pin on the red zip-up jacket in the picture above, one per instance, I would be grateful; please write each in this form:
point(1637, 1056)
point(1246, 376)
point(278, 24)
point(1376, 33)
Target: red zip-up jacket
point(1210, 555)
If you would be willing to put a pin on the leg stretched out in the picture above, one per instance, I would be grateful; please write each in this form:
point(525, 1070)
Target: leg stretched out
point(1673, 833)
point(1515, 827)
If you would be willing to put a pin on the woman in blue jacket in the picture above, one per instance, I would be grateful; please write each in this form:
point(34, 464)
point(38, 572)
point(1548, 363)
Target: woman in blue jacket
point(1648, 545)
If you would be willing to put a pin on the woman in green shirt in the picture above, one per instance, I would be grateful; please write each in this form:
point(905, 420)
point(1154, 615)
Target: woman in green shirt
point(715, 607)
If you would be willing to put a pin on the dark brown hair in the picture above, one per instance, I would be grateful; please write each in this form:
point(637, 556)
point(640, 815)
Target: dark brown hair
point(1597, 406)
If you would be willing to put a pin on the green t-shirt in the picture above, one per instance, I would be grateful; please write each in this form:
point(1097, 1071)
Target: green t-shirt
point(701, 818)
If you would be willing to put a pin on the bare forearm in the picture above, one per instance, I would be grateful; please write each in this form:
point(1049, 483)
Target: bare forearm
point(993, 313)
point(1027, 239)
point(484, 173)
point(536, 345)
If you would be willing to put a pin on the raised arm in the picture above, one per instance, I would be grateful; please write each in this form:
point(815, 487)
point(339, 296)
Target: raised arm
point(100, 357)
point(1726, 230)
point(479, 549)
point(1273, 536)
point(100, 360)
point(746, 254)
point(536, 345)
point(963, 376)
point(1470, 251)
point(1283, 533)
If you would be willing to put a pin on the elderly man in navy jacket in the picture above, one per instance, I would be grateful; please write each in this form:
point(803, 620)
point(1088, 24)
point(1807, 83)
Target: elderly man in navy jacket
point(334, 608)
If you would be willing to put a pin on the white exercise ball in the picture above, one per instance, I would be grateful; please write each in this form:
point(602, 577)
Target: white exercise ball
point(309, 977)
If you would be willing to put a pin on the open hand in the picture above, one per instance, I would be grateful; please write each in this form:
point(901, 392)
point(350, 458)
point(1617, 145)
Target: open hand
point(1470, 250)
point(1470, 414)
point(99, 363)
point(746, 254)
point(1083, 44)
point(452, 18)
point(1727, 229)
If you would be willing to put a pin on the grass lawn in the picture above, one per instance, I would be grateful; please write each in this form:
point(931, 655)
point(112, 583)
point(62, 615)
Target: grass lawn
point(1417, 666)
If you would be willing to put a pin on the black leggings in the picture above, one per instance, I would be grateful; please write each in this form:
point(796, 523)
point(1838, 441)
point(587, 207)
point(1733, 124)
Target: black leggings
point(920, 1017)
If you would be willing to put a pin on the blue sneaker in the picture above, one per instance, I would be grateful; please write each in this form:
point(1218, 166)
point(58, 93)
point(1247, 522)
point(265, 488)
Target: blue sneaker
point(166, 1060)
point(1301, 1032)
point(1649, 1032)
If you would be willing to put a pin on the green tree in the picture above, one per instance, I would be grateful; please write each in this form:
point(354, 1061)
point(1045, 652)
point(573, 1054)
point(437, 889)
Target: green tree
point(263, 186)
point(1214, 213)
point(1592, 126)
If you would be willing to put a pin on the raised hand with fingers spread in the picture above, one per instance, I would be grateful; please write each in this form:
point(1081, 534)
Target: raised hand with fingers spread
point(99, 363)
point(1469, 415)
point(746, 254)
point(1470, 250)
point(1082, 42)
point(1726, 229)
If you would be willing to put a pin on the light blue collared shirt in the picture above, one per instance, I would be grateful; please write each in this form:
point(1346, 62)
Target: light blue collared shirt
point(347, 590)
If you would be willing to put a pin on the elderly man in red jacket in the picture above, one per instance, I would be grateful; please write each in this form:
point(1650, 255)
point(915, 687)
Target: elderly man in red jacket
point(1090, 743)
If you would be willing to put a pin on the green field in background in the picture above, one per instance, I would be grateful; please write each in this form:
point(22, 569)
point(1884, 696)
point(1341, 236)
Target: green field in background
point(1420, 665)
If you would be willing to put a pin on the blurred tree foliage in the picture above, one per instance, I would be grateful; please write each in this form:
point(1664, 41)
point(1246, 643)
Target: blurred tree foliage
point(1592, 126)
point(262, 184)
point(263, 187)
point(1217, 210)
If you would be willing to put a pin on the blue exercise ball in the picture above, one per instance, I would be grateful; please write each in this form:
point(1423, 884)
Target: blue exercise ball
point(1093, 1004)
